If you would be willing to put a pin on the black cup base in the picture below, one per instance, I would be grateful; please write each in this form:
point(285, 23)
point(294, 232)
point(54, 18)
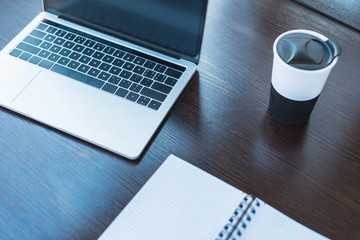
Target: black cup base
point(290, 112)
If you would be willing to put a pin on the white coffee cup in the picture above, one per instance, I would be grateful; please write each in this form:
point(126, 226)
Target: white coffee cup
point(302, 62)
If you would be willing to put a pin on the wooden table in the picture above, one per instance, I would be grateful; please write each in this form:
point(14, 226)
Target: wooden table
point(53, 186)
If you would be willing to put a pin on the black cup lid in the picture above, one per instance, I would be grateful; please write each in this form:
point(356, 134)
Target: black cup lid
point(305, 51)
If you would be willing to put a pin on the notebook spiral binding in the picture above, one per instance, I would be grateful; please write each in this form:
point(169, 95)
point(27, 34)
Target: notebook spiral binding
point(241, 219)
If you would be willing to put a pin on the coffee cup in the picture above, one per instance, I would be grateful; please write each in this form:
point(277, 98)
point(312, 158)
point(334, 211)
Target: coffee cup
point(302, 62)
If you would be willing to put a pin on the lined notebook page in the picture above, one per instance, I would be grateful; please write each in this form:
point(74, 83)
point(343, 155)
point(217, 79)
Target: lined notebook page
point(271, 224)
point(179, 201)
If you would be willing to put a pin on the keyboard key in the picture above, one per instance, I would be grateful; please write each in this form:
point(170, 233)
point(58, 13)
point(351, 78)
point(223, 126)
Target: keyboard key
point(77, 76)
point(132, 96)
point(136, 78)
point(89, 43)
point(65, 52)
point(35, 60)
point(53, 57)
point(83, 68)
point(32, 40)
point(171, 81)
point(28, 48)
point(46, 64)
point(149, 64)
point(51, 29)
point(38, 34)
point(119, 53)
point(146, 82)
point(154, 105)
point(45, 45)
point(105, 66)
point(160, 68)
point(98, 55)
point(159, 77)
point(153, 94)
point(143, 100)
point(108, 59)
point(61, 33)
point(135, 87)
point(109, 50)
point(121, 92)
point(69, 45)
point(94, 63)
point(70, 36)
point(59, 41)
point(44, 53)
point(55, 49)
point(109, 88)
point(73, 65)
point(129, 57)
point(61, 70)
point(99, 46)
point(84, 59)
point(125, 74)
point(128, 66)
point(161, 87)
point(173, 73)
point(74, 55)
point(139, 70)
point(104, 76)
point(42, 26)
point(94, 72)
point(80, 40)
point(88, 51)
point(115, 80)
point(115, 70)
point(15, 52)
point(64, 61)
point(50, 38)
point(25, 56)
point(118, 62)
point(125, 84)
point(149, 73)
point(78, 48)
point(139, 61)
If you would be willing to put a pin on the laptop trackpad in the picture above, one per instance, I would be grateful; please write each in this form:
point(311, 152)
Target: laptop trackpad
point(60, 102)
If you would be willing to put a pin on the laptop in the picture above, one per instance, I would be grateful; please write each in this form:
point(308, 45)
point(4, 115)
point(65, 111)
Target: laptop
point(104, 71)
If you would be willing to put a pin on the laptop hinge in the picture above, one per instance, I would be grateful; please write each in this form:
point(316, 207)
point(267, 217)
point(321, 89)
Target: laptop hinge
point(123, 37)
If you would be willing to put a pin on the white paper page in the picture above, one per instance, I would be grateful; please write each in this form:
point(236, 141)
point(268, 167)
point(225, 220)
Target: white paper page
point(270, 224)
point(180, 201)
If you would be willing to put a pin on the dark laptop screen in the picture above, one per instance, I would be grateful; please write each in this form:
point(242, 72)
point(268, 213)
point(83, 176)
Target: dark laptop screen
point(175, 25)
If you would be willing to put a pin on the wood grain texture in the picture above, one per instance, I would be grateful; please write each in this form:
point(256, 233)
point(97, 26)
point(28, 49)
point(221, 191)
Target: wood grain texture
point(53, 186)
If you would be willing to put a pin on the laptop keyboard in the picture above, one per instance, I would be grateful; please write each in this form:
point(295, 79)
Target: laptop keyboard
point(113, 68)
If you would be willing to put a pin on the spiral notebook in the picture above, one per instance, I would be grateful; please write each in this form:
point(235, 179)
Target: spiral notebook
point(180, 201)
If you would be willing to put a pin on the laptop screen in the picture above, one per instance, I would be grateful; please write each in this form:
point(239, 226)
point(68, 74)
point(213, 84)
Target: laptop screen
point(174, 25)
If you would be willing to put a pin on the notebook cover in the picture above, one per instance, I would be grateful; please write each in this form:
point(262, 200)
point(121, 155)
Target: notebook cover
point(344, 11)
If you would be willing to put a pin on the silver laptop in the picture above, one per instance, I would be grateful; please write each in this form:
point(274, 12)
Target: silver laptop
point(105, 71)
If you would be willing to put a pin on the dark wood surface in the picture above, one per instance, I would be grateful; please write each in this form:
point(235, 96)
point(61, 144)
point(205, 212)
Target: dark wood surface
point(53, 186)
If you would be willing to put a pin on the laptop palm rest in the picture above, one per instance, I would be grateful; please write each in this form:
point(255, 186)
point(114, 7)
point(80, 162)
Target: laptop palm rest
point(84, 111)
point(13, 80)
point(60, 102)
